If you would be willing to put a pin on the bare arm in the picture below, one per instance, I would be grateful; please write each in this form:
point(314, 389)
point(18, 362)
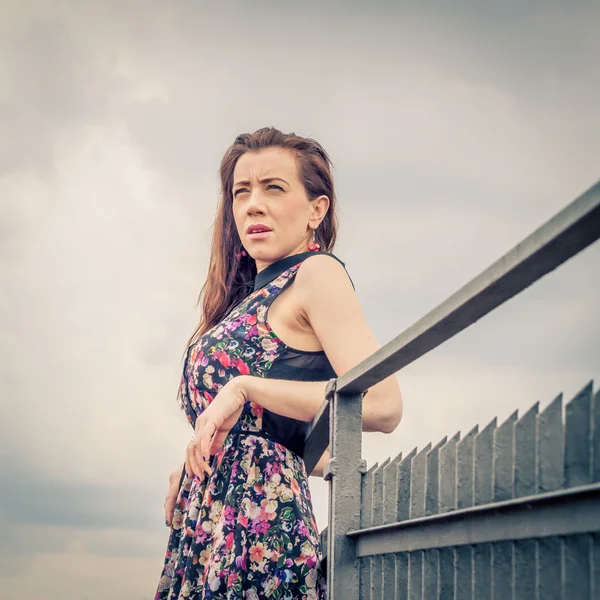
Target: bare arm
point(330, 306)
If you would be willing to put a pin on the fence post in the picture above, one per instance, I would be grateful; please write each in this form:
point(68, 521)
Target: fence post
point(344, 473)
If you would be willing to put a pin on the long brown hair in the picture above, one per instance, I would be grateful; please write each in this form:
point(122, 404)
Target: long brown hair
point(230, 279)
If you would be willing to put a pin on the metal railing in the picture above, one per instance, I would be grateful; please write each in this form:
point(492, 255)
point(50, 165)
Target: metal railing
point(496, 522)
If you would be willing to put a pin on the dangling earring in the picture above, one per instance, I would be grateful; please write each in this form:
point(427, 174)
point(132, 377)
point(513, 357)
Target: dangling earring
point(240, 255)
point(314, 246)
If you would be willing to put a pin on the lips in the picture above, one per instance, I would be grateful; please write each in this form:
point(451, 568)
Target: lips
point(257, 228)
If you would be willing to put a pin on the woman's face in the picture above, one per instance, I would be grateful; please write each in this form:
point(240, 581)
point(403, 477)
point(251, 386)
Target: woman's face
point(268, 195)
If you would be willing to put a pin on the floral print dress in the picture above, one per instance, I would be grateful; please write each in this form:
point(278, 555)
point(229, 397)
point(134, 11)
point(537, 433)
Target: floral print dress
point(247, 531)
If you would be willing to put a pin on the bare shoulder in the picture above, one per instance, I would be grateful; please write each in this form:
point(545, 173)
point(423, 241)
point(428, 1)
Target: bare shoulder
point(330, 306)
point(323, 273)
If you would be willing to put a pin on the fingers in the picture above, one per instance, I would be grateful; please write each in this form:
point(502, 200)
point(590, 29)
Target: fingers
point(205, 439)
point(170, 502)
point(217, 442)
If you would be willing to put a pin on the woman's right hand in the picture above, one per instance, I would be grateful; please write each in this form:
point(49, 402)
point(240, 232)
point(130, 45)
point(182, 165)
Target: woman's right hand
point(172, 493)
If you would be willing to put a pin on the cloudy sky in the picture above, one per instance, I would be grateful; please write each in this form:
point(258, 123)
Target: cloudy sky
point(456, 129)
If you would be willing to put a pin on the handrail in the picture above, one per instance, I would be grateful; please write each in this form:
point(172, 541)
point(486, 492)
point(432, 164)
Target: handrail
point(563, 236)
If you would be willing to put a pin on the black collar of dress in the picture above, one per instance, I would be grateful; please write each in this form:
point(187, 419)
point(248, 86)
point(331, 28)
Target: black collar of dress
point(277, 268)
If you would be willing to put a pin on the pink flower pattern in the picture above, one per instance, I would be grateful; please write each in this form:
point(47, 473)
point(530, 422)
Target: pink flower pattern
point(248, 531)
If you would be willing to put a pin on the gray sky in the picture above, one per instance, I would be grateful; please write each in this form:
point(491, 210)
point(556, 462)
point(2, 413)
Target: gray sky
point(456, 129)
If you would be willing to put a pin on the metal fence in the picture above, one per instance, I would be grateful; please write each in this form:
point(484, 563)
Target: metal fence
point(508, 512)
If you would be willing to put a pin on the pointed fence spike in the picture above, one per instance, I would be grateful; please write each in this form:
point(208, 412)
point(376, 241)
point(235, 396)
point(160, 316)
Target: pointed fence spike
point(404, 479)
point(447, 479)
point(504, 473)
point(465, 469)
point(550, 450)
point(432, 482)
point(417, 483)
point(578, 427)
point(525, 458)
point(390, 489)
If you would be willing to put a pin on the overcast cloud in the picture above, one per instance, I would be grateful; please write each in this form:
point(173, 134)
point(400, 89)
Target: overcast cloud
point(456, 129)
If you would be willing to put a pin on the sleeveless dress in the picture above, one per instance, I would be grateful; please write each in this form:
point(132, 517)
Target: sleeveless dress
point(247, 531)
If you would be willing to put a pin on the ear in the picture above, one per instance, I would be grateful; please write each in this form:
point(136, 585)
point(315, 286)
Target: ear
point(318, 209)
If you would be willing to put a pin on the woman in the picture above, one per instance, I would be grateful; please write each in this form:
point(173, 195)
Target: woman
point(280, 318)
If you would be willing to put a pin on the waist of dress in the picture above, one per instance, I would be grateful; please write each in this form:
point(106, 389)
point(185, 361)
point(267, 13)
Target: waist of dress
point(273, 437)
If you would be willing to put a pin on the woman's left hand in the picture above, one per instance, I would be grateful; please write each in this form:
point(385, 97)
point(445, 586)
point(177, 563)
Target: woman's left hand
point(213, 425)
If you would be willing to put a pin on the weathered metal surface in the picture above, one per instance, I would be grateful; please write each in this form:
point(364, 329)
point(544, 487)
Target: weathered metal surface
point(447, 573)
point(404, 484)
point(464, 469)
point(432, 480)
point(550, 447)
point(502, 571)
point(525, 573)
point(483, 485)
point(345, 474)
point(366, 520)
point(417, 483)
point(564, 512)
point(482, 571)
point(526, 451)
point(415, 575)
point(578, 431)
point(504, 460)
point(377, 519)
point(390, 490)
point(447, 467)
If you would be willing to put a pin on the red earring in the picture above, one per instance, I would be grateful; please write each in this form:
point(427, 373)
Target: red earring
point(240, 255)
point(314, 246)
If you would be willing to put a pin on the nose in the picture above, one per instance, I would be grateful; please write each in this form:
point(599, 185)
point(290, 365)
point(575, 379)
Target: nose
point(255, 204)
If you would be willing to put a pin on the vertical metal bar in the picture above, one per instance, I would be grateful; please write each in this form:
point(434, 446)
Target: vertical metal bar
point(551, 447)
point(448, 474)
point(366, 520)
point(404, 484)
point(596, 564)
point(402, 561)
point(526, 447)
point(484, 464)
point(464, 469)
point(525, 570)
point(464, 573)
point(504, 484)
point(417, 483)
point(578, 425)
point(344, 475)
point(403, 513)
point(502, 571)
point(577, 564)
point(432, 482)
point(483, 486)
point(447, 574)
point(550, 569)
point(389, 576)
point(390, 490)
point(482, 571)
point(415, 575)
point(377, 561)
point(465, 477)
point(504, 472)
point(431, 574)
point(390, 504)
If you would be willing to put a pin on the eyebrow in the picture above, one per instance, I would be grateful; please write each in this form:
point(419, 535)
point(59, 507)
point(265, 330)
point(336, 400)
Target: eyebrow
point(265, 180)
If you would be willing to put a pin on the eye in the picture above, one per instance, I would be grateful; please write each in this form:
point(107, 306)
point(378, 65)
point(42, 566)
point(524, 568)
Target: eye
point(273, 185)
point(238, 191)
